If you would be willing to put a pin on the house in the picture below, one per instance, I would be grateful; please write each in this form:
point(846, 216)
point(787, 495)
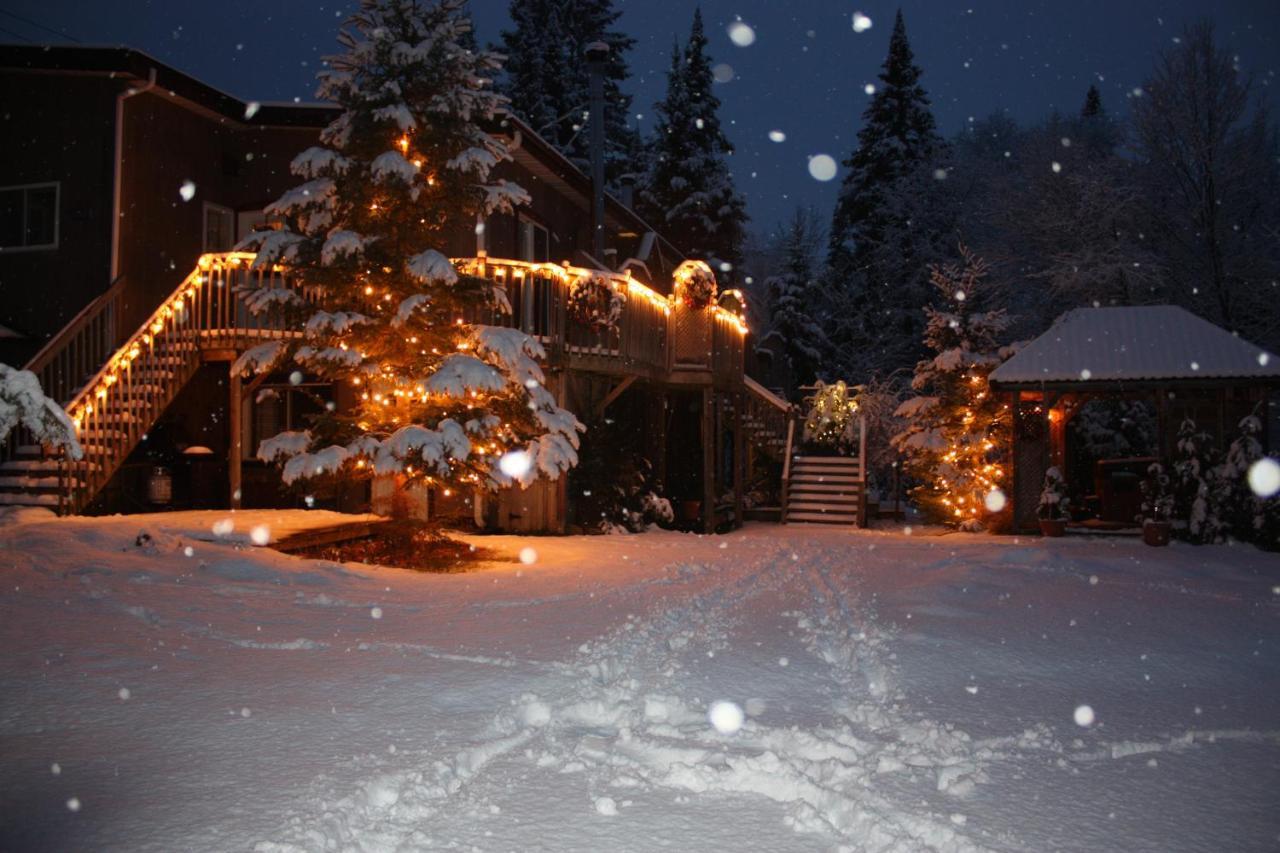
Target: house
point(117, 213)
point(1170, 362)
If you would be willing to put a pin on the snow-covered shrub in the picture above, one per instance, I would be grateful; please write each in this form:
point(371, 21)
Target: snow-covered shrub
point(595, 303)
point(612, 488)
point(831, 421)
point(23, 403)
point(1115, 429)
point(1157, 497)
point(1242, 513)
point(1054, 502)
point(1194, 517)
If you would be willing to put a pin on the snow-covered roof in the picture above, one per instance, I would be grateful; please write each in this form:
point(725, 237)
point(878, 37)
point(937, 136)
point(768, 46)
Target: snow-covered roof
point(1132, 344)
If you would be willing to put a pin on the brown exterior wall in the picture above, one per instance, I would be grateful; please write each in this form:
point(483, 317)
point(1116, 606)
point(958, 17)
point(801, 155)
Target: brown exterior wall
point(44, 140)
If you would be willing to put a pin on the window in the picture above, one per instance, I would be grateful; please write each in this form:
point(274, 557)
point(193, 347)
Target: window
point(219, 228)
point(278, 408)
point(534, 243)
point(29, 217)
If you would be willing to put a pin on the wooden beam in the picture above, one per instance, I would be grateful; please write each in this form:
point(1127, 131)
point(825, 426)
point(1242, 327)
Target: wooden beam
point(614, 393)
point(235, 401)
point(739, 462)
point(708, 462)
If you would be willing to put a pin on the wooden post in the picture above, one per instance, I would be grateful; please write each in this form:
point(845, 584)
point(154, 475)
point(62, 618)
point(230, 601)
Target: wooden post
point(233, 424)
point(708, 461)
point(660, 460)
point(739, 463)
point(862, 470)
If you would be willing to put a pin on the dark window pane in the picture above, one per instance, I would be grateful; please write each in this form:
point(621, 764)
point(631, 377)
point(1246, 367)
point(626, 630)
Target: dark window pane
point(541, 251)
point(42, 216)
point(10, 218)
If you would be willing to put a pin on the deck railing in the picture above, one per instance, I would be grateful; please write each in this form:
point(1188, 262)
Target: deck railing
point(653, 334)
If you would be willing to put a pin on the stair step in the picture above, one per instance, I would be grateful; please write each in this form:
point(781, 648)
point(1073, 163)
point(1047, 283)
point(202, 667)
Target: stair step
point(25, 499)
point(821, 488)
point(25, 467)
point(827, 479)
point(824, 517)
point(823, 505)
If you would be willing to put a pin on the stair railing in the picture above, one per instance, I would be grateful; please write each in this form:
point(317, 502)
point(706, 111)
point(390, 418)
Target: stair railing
point(115, 408)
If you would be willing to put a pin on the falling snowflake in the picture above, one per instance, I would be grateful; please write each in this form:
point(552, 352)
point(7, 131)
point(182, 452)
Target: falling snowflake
point(741, 34)
point(528, 556)
point(223, 527)
point(777, 136)
point(187, 190)
point(870, 88)
point(726, 717)
point(722, 73)
point(822, 167)
point(375, 612)
point(861, 23)
point(251, 109)
point(515, 464)
point(1084, 716)
point(995, 500)
point(260, 535)
point(1264, 477)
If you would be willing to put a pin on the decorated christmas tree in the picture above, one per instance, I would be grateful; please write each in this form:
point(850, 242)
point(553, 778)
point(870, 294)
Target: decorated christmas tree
point(436, 396)
point(958, 431)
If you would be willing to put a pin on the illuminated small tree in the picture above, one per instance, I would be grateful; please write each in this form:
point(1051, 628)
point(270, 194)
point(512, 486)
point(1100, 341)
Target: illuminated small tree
point(830, 420)
point(439, 397)
point(957, 430)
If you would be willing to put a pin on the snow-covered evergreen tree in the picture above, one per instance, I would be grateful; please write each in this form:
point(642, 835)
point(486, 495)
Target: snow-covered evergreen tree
point(1232, 502)
point(957, 431)
point(1193, 464)
point(437, 397)
point(689, 192)
point(546, 78)
point(880, 243)
point(795, 338)
point(24, 404)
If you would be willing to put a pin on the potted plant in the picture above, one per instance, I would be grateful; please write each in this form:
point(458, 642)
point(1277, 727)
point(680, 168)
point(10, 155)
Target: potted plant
point(1157, 507)
point(1054, 504)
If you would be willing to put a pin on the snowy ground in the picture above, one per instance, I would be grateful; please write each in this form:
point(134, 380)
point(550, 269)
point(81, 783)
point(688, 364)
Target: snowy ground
point(902, 693)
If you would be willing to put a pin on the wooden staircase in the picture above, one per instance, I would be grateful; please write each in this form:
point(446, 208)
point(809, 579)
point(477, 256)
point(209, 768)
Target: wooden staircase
point(116, 391)
point(826, 489)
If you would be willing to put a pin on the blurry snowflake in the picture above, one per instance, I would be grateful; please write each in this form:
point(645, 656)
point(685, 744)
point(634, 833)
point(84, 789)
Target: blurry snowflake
point(528, 556)
point(777, 136)
point(187, 190)
point(260, 535)
point(1264, 477)
point(1084, 716)
point(741, 34)
point(861, 23)
point(725, 716)
point(822, 167)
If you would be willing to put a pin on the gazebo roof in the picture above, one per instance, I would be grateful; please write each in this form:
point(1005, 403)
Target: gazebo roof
point(1135, 345)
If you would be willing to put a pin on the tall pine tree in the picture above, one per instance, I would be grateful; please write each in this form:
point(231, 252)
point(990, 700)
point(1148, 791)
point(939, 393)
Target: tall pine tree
point(689, 191)
point(546, 78)
point(880, 244)
point(435, 396)
point(795, 340)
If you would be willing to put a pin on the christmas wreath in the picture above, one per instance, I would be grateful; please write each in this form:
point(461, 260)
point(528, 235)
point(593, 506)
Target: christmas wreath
point(695, 284)
point(593, 302)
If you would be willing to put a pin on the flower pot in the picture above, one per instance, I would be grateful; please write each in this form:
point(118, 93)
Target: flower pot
point(691, 510)
point(1156, 533)
point(1053, 527)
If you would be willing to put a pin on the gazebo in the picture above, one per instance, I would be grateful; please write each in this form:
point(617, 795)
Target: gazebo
point(1177, 363)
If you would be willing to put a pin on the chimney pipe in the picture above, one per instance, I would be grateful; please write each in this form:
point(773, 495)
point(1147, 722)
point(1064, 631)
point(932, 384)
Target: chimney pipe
point(597, 55)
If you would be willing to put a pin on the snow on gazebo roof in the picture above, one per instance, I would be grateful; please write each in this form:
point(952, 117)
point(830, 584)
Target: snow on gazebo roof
point(1134, 344)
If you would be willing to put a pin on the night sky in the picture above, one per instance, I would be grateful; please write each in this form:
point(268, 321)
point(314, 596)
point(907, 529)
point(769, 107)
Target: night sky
point(804, 75)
